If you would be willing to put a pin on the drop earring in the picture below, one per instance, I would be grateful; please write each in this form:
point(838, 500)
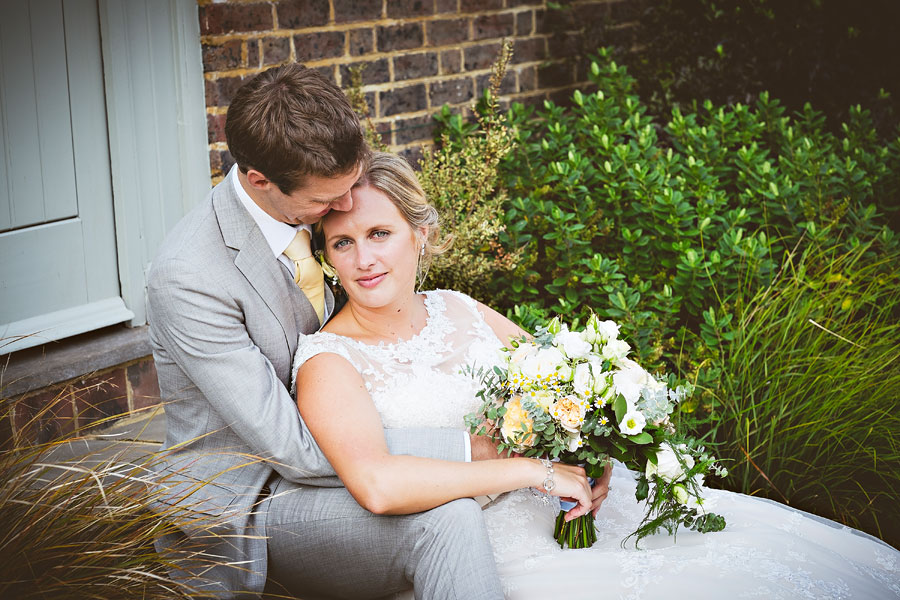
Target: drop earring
point(423, 249)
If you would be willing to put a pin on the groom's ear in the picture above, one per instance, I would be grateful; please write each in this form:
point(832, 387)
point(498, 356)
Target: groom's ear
point(257, 179)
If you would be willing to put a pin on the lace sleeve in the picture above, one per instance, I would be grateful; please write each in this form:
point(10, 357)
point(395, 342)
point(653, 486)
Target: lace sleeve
point(479, 326)
point(311, 345)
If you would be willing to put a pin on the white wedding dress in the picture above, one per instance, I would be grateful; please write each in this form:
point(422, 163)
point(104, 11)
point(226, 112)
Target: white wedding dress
point(767, 550)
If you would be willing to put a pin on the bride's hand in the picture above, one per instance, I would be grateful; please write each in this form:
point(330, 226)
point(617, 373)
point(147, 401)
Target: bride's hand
point(571, 484)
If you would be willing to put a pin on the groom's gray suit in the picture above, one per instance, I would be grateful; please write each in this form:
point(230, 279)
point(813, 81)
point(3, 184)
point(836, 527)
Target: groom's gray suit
point(224, 323)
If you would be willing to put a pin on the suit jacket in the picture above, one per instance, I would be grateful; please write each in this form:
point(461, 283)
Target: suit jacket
point(225, 317)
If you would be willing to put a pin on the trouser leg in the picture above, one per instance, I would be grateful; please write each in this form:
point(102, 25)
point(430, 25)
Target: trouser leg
point(321, 542)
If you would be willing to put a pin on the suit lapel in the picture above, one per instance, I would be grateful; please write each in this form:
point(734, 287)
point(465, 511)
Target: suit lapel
point(255, 261)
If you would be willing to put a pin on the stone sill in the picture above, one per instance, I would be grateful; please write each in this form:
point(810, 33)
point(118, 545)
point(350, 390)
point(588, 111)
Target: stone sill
point(55, 362)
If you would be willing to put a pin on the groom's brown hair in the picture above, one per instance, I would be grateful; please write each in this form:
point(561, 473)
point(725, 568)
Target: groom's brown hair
point(290, 122)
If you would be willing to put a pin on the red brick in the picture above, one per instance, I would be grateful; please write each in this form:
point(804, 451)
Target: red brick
point(298, 14)
point(445, 6)
point(481, 56)
point(275, 50)
point(401, 9)
point(226, 88)
point(618, 12)
point(348, 11)
point(451, 61)
point(215, 127)
point(226, 18)
point(516, 3)
point(222, 57)
point(211, 91)
point(467, 6)
point(373, 71)
point(384, 131)
point(45, 416)
point(554, 75)
point(563, 45)
point(406, 99)
point(400, 37)
point(529, 50)
point(220, 162)
point(453, 91)
point(493, 26)
point(524, 23)
point(144, 384)
point(362, 41)
point(414, 129)
point(413, 156)
point(527, 79)
point(447, 31)
point(413, 66)
point(319, 45)
point(100, 397)
point(253, 54)
point(328, 72)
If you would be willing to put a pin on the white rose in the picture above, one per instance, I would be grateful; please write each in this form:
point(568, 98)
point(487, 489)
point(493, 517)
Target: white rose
point(630, 380)
point(565, 373)
point(543, 363)
point(583, 381)
point(632, 423)
point(600, 378)
point(518, 356)
point(572, 344)
point(668, 467)
point(607, 331)
point(615, 351)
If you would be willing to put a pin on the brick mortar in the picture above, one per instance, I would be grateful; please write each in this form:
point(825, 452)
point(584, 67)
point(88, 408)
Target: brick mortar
point(429, 46)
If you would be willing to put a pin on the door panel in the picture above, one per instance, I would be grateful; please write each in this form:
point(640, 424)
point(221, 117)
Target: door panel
point(58, 244)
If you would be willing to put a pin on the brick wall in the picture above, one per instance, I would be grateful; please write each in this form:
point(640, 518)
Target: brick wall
point(417, 54)
point(55, 411)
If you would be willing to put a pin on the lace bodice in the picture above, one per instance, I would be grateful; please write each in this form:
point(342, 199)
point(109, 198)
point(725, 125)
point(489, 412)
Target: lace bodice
point(405, 378)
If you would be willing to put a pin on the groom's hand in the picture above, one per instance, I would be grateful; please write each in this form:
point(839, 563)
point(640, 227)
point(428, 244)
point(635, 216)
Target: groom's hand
point(484, 448)
point(600, 489)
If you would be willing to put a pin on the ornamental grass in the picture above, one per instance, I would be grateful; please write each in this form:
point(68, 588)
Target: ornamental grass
point(808, 388)
point(77, 522)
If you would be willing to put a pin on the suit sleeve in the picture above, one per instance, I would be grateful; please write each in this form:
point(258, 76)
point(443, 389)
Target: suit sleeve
point(202, 329)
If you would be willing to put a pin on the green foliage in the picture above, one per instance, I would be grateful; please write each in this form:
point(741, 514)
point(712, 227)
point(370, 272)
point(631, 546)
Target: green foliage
point(652, 225)
point(694, 232)
point(461, 180)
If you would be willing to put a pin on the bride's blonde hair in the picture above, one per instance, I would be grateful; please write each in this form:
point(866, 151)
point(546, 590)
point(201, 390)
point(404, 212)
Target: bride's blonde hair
point(392, 175)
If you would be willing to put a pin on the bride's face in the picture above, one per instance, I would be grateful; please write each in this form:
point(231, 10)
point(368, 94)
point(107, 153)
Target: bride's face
point(373, 249)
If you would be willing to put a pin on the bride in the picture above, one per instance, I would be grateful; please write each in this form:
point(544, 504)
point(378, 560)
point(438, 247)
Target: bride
point(392, 358)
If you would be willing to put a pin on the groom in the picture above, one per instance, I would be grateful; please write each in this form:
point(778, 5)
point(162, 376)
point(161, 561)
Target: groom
point(229, 292)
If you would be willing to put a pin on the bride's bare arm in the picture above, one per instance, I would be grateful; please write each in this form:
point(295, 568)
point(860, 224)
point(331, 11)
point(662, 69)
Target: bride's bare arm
point(503, 328)
point(342, 417)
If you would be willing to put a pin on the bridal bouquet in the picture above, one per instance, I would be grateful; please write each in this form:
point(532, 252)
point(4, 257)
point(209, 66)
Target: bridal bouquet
point(576, 397)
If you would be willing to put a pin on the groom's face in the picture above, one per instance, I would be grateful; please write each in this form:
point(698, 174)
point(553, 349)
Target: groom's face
point(308, 203)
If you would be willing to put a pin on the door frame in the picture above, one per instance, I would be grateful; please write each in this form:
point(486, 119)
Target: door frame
point(156, 107)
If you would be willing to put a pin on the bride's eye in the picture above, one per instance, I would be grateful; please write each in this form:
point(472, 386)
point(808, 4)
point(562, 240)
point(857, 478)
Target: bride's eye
point(381, 233)
point(341, 244)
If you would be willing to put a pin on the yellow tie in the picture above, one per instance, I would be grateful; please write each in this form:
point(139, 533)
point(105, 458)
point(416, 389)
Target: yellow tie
point(307, 272)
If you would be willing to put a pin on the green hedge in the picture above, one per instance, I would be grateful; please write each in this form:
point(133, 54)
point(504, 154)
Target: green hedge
point(690, 233)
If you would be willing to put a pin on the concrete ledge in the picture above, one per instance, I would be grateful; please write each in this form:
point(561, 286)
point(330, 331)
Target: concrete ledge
point(34, 368)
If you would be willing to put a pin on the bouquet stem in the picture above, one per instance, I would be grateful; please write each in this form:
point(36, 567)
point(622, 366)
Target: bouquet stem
point(577, 533)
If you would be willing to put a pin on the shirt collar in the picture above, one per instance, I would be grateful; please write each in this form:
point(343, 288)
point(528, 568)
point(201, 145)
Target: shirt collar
point(278, 235)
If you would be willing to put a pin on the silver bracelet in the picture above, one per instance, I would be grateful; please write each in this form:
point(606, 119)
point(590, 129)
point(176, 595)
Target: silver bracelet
point(548, 484)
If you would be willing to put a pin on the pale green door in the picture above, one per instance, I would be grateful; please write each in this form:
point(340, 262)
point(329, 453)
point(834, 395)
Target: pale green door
point(58, 271)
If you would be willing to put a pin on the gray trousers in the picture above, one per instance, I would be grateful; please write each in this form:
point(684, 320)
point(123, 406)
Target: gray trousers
point(322, 544)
